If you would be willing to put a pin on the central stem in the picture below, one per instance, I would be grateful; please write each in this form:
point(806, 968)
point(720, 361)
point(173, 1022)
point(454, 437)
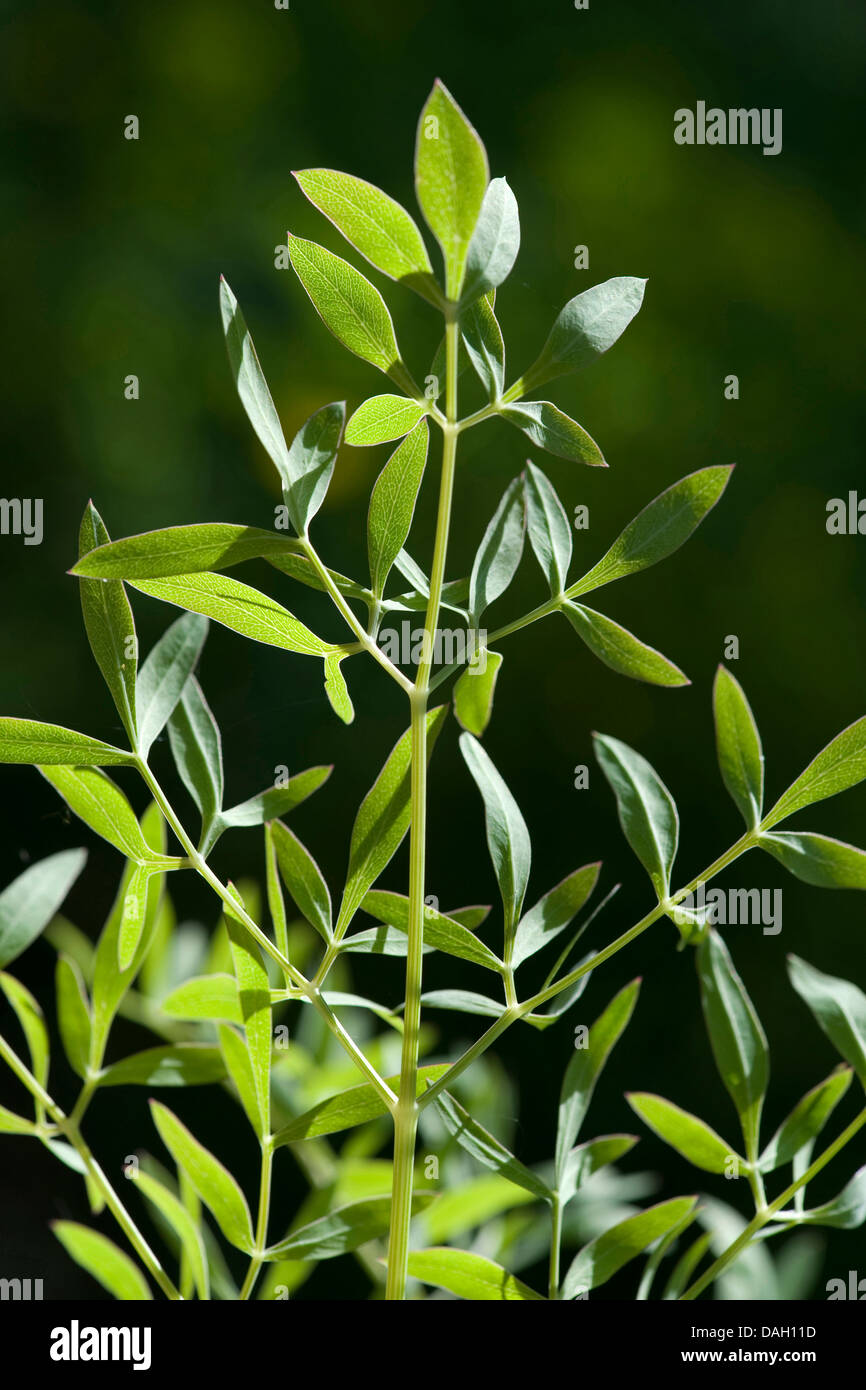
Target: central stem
point(406, 1110)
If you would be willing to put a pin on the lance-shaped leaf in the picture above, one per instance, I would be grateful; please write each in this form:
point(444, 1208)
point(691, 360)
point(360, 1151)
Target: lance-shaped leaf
point(478, 1200)
point(585, 1067)
point(647, 811)
point(738, 1041)
point(463, 1001)
point(495, 242)
point(336, 688)
point(440, 931)
point(206, 996)
point(474, 691)
point(212, 1181)
point(73, 1014)
point(250, 380)
point(240, 1068)
point(587, 326)
point(10, 1123)
point(110, 626)
point(845, 1212)
point(255, 999)
point(806, 1120)
point(277, 801)
point(178, 1064)
point(383, 418)
point(214, 545)
point(134, 916)
point(603, 1257)
point(348, 305)
point(659, 530)
point(197, 751)
point(482, 338)
point(499, 552)
point(97, 801)
point(392, 504)
point(840, 765)
point(180, 1221)
point(377, 226)
point(350, 1108)
point(586, 1159)
point(383, 819)
point(165, 672)
point(741, 758)
point(471, 1277)
point(548, 527)
point(109, 1266)
point(691, 1137)
point(341, 1230)
point(839, 1007)
point(552, 913)
point(507, 835)
point(484, 1147)
point(29, 902)
point(818, 859)
point(32, 1021)
point(555, 432)
point(620, 649)
point(236, 606)
point(451, 176)
point(30, 741)
point(303, 878)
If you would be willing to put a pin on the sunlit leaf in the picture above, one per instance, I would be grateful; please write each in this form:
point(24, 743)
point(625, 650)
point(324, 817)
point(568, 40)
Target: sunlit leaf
point(839, 1007)
point(30, 741)
point(238, 607)
point(548, 527)
point(392, 504)
point(818, 859)
point(806, 1120)
point(584, 1069)
point(507, 835)
point(164, 674)
point(383, 418)
point(738, 1041)
point(587, 326)
point(197, 750)
point(691, 1137)
point(495, 242)
point(499, 553)
point(440, 931)
point(110, 626)
point(181, 1222)
point(101, 1258)
point(211, 1180)
point(474, 691)
point(73, 1014)
point(552, 913)
point(555, 432)
point(450, 180)
point(206, 996)
point(603, 1257)
point(471, 1277)
point(620, 649)
point(29, 902)
point(840, 765)
point(738, 744)
point(303, 878)
point(355, 1106)
point(647, 811)
point(484, 1147)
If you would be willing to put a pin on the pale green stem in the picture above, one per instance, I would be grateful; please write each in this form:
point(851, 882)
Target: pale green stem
point(262, 1223)
point(555, 1247)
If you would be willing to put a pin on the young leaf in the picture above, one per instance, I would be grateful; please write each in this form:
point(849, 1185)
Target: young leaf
point(451, 176)
point(250, 381)
point(73, 1014)
point(806, 1120)
point(659, 530)
point(309, 464)
point(32, 1021)
point(97, 801)
point(240, 1069)
point(845, 1212)
point(110, 626)
point(585, 1067)
point(738, 742)
point(473, 692)
point(214, 1184)
point(472, 1137)
point(31, 900)
point(336, 688)
point(507, 835)
point(839, 1008)
point(348, 305)
point(586, 1159)
point(440, 932)
point(181, 1222)
point(254, 994)
point(355, 1106)
point(620, 649)
point(552, 913)
point(818, 859)
point(555, 432)
point(548, 527)
point(495, 242)
point(101, 1258)
point(499, 552)
point(276, 801)
point(471, 1277)
point(647, 811)
point(303, 878)
point(341, 1230)
point(30, 741)
point(164, 674)
point(736, 1036)
point(383, 418)
point(601, 1258)
point(214, 545)
point(207, 996)
point(197, 751)
point(587, 326)
point(236, 606)
point(840, 765)
point(392, 504)
point(134, 916)
point(691, 1137)
point(180, 1064)
point(482, 339)
point(10, 1123)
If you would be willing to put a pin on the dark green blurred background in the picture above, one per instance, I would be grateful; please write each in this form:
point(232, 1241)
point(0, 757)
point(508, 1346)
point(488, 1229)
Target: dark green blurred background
point(112, 251)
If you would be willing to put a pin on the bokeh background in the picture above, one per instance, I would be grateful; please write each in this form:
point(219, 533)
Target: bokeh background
point(112, 251)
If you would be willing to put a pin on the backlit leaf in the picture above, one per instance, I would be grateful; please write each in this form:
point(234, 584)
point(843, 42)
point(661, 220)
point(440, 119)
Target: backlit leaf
point(383, 418)
point(603, 1257)
point(738, 744)
point(507, 835)
point(101, 1258)
point(499, 552)
point(548, 527)
point(451, 176)
point(392, 504)
point(589, 324)
point(164, 674)
point(839, 1007)
point(555, 432)
point(347, 304)
point(647, 811)
point(620, 649)
point(471, 1277)
point(236, 606)
point(495, 242)
point(840, 765)
point(110, 626)
point(31, 900)
point(738, 1041)
point(212, 1181)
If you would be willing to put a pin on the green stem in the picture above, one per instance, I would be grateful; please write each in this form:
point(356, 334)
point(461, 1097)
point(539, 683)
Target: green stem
point(262, 1223)
point(555, 1247)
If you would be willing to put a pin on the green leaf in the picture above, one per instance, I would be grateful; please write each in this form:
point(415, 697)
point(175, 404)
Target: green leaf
point(355, 1106)
point(482, 338)
point(30, 741)
point(32, 1022)
point(691, 1137)
point(276, 801)
point(484, 1147)
point(845, 1212)
point(474, 691)
point(254, 993)
point(737, 1038)
point(620, 649)
point(214, 1183)
point(14, 1124)
point(818, 859)
point(309, 464)
point(463, 1001)
point(451, 176)
point(73, 1014)
point(206, 996)
point(839, 1008)
point(603, 1257)
point(110, 626)
point(164, 674)
point(181, 1222)
point(392, 504)
point(470, 1277)
point(840, 765)
point(238, 607)
point(581, 1162)
point(681, 1274)
point(659, 530)
point(336, 688)
point(197, 751)
point(240, 1069)
point(383, 418)
point(303, 878)
point(806, 1120)
point(375, 225)
point(548, 527)
point(213, 545)
point(555, 432)
point(31, 900)
point(552, 913)
point(101, 1258)
point(471, 1205)
point(440, 932)
point(507, 835)
point(341, 1230)
point(250, 381)
point(180, 1064)
point(647, 811)
point(348, 305)
point(495, 242)
point(97, 801)
point(741, 758)
point(585, 1067)
point(587, 326)
point(499, 553)
point(134, 917)
point(383, 819)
